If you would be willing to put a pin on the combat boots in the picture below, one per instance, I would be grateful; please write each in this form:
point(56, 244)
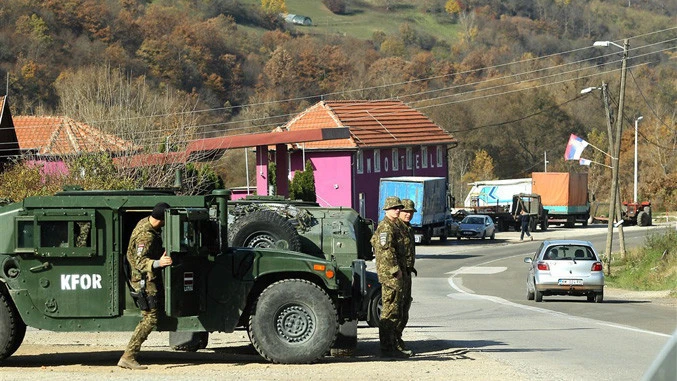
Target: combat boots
point(129, 362)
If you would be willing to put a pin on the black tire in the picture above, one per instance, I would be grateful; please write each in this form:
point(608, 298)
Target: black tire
point(544, 223)
point(375, 307)
point(591, 297)
point(599, 297)
point(571, 222)
point(530, 295)
point(643, 219)
point(12, 328)
point(493, 235)
point(538, 296)
point(294, 322)
point(264, 229)
point(458, 238)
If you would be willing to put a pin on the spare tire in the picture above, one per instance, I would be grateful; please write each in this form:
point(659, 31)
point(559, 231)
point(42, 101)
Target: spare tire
point(264, 229)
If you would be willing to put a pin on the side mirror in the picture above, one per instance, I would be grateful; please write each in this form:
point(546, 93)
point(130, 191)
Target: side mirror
point(527, 260)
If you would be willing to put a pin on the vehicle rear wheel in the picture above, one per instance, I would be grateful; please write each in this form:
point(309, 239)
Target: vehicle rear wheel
point(264, 229)
point(538, 296)
point(458, 238)
point(643, 219)
point(294, 322)
point(12, 328)
point(599, 297)
point(591, 297)
point(530, 294)
point(375, 307)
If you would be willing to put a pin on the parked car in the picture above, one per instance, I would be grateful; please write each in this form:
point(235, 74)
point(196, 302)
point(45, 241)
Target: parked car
point(476, 226)
point(565, 267)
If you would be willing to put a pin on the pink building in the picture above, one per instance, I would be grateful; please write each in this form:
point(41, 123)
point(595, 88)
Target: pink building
point(387, 138)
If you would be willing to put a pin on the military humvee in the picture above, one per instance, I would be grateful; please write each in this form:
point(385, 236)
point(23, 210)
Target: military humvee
point(63, 268)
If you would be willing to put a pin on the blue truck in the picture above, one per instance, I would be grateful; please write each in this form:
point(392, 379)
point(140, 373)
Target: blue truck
point(433, 204)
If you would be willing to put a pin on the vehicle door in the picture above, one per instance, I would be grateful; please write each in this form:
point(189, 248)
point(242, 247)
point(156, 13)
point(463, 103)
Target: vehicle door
point(64, 264)
point(191, 239)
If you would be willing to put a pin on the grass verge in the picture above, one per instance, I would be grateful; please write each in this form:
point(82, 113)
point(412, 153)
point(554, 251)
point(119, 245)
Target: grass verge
point(651, 267)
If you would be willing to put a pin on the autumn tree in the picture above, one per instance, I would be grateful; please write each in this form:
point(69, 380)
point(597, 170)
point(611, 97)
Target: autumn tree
point(481, 168)
point(274, 6)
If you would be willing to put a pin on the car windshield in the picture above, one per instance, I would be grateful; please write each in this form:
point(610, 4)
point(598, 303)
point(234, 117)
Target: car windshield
point(569, 252)
point(473, 220)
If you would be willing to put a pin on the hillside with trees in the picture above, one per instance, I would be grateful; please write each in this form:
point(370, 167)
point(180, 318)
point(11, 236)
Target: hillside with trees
point(504, 77)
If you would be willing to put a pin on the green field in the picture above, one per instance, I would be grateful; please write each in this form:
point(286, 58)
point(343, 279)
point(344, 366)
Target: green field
point(364, 19)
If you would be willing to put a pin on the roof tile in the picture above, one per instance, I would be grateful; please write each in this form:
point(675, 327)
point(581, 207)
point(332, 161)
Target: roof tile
point(372, 124)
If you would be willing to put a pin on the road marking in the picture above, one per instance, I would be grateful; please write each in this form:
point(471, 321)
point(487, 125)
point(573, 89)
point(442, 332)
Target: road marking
point(478, 270)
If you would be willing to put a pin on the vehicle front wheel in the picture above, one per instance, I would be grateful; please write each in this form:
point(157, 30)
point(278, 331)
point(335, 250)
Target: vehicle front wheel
point(493, 235)
point(538, 296)
point(12, 328)
point(294, 322)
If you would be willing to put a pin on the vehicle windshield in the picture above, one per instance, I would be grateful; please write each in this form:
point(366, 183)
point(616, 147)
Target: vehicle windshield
point(569, 252)
point(473, 220)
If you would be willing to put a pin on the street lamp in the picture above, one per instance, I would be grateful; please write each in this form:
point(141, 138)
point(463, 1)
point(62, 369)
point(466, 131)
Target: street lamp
point(634, 195)
point(617, 149)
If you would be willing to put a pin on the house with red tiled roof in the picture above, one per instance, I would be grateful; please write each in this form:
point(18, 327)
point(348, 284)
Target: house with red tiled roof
point(58, 136)
point(48, 139)
point(387, 139)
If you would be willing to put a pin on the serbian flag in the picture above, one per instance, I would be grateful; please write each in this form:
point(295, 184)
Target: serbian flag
point(575, 148)
point(584, 162)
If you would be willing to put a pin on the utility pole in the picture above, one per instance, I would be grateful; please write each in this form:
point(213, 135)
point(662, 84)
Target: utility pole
point(614, 202)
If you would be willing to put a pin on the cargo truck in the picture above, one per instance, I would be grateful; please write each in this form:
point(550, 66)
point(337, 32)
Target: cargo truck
point(564, 195)
point(433, 203)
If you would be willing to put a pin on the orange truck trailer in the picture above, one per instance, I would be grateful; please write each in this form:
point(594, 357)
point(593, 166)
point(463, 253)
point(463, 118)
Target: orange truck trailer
point(564, 195)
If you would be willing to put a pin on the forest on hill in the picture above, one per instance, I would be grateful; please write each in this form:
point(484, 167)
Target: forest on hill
point(503, 76)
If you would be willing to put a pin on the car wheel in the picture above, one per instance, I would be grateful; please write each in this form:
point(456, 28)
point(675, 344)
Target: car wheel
point(484, 234)
point(538, 296)
point(12, 328)
point(294, 322)
point(599, 297)
point(530, 295)
point(375, 307)
point(493, 234)
point(591, 297)
point(458, 238)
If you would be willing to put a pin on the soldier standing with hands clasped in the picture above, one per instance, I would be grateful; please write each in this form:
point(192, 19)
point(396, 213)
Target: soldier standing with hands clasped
point(146, 256)
point(389, 249)
point(406, 214)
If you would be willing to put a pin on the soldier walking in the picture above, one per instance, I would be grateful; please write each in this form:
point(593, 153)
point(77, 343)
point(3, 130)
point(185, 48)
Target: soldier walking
point(388, 246)
point(406, 214)
point(146, 256)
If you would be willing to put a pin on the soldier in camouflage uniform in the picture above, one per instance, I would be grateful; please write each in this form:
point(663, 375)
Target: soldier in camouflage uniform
point(405, 217)
point(390, 265)
point(146, 256)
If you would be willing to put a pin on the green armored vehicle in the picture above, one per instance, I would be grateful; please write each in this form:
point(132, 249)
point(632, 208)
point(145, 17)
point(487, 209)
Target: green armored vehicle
point(63, 268)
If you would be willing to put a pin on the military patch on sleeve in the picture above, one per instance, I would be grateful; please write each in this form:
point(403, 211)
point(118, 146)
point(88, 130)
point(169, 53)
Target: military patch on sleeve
point(139, 248)
point(383, 238)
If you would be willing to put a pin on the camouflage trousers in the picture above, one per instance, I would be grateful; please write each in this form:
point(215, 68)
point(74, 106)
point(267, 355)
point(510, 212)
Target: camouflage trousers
point(391, 315)
point(406, 305)
point(143, 329)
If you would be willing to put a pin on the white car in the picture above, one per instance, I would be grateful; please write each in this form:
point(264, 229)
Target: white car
point(476, 226)
point(565, 267)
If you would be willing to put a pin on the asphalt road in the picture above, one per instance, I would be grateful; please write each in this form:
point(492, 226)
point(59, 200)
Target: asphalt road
point(473, 293)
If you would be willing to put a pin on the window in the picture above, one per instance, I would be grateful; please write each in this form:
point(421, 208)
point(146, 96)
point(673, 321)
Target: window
point(58, 233)
point(377, 160)
point(360, 162)
point(424, 156)
point(396, 159)
point(410, 158)
point(440, 156)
